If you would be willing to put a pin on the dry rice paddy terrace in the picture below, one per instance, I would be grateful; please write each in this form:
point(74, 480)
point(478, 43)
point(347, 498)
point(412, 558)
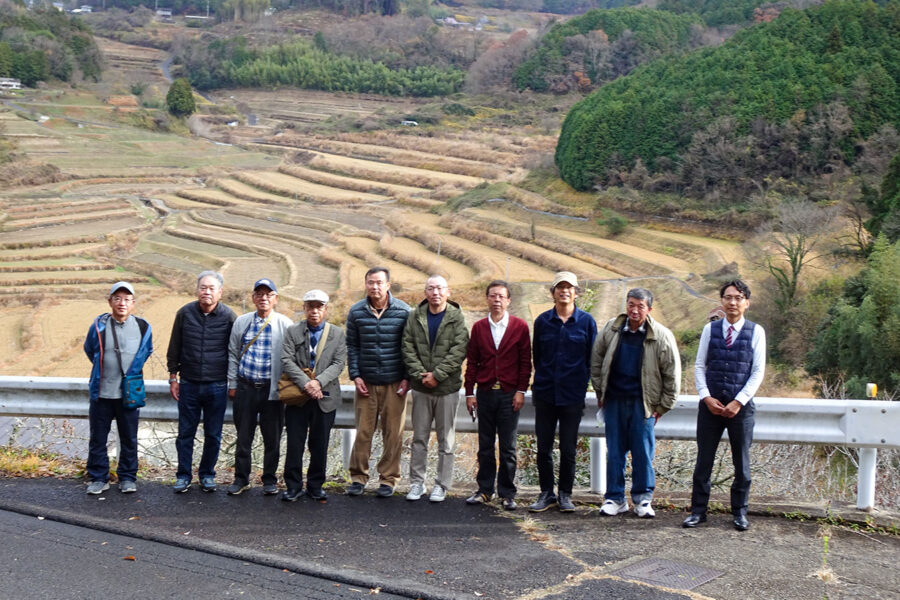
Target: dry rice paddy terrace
point(315, 217)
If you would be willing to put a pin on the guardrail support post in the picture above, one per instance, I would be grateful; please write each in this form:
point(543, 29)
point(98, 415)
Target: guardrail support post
point(347, 446)
point(598, 465)
point(865, 479)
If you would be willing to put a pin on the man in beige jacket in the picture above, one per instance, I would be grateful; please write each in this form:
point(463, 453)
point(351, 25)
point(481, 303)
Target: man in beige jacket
point(636, 372)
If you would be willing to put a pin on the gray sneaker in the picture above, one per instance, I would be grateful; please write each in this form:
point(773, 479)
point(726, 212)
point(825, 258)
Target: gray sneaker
point(127, 486)
point(97, 487)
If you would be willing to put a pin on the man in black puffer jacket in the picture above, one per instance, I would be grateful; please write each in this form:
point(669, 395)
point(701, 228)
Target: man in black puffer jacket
point(198, 352)
point(375, 362)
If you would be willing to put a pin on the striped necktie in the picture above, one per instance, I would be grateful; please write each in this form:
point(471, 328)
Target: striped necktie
point(728, 338)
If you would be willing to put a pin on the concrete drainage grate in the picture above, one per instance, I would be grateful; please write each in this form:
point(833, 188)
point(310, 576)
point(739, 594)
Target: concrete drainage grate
point(670, 574)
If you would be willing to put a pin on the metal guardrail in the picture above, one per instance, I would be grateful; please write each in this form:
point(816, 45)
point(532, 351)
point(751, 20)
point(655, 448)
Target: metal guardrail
point(864, 424)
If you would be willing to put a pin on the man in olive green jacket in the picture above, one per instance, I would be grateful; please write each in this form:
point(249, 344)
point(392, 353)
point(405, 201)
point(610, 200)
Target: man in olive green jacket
point(636, 372)
point(434, 347)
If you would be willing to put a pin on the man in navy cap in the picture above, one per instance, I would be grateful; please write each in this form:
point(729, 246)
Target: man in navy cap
point(254, 368)
point(118, 344)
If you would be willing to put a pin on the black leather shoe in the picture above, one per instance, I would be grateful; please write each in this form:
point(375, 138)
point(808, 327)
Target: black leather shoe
point(355, 489)
point(565, 502)
point(741, 523)
point(694, 520)
point(384, 491)
point(544, 501)
point(292, 495)
point(318, 495)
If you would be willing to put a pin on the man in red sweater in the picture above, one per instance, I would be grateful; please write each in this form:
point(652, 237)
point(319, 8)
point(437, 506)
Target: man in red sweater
point(499, 361)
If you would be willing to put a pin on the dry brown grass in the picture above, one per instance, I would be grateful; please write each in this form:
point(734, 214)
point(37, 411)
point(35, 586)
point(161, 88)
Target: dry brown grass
point(292, 187)
point(204, 196)
point(374, 171)
point(45, 268)
point(349, 183)
point(614, 262)
point(458, 148)
point(527, 250)
point(409, 158)
point(402, 225)
point(249, 193)
point(534, 201)
point(63, 207)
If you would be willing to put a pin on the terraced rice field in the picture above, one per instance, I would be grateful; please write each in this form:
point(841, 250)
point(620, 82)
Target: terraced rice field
point(158, 209)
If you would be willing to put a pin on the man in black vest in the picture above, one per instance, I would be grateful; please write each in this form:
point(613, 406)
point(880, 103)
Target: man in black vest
point(198, 352)
point(731, 363)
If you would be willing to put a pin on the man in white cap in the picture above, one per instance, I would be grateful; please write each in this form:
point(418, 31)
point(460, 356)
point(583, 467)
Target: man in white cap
point(118, 344)
point(321, 348)
point(563, 339)
point(254, 368)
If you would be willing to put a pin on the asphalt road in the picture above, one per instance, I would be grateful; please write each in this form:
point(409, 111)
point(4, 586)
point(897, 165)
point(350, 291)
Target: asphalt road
point(44, 559)
point(435, 551)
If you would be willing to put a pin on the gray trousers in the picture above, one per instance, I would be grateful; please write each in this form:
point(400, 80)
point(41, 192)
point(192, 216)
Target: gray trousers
point(440, 410)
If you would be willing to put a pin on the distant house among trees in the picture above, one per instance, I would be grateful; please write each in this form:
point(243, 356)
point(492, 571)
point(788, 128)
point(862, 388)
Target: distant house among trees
point(10, 83)
point(163, 14)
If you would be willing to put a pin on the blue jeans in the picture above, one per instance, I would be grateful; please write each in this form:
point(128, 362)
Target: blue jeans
point(207, 401)
point(101, 413)
point(628, 430)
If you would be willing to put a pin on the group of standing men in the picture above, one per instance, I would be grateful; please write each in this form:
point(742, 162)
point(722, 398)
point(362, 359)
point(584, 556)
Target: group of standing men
point(390, 348)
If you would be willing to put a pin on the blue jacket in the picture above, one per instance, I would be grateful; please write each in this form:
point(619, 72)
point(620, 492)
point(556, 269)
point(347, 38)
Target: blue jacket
point(562, 357)
point(93, 347)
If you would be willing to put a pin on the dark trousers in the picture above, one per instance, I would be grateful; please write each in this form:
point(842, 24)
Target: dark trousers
point(546, 418)
point(101, 413)
point(496, 419)
point(740, 434)
point(252, 407)
point(300, 422)
point(196, 401)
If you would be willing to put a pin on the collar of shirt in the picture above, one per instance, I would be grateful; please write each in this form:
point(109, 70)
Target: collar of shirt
point(502, 323)
point(737, 326)
point(627, 328)
point(316, 329)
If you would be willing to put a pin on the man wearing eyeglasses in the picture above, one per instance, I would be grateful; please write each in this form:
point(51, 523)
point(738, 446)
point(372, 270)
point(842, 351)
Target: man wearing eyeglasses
point(499, 361)
point(198, 378)
point(731, 363)
point(434, 347)
point(254, 368)
point(118, 344)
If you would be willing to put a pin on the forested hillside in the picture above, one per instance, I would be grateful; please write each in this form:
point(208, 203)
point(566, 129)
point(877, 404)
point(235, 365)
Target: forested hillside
point(302, 64)
point(602, 45)
point(45, 43)
point(799, 96)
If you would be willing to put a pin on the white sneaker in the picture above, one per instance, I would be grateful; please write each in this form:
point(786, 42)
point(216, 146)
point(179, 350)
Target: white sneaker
point(644, 510)
point(612, 508)
point(438, 493)
point(416, 491)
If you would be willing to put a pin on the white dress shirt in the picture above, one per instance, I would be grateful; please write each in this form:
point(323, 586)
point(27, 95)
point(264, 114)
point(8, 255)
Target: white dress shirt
point(498, 329)
point(757, 369)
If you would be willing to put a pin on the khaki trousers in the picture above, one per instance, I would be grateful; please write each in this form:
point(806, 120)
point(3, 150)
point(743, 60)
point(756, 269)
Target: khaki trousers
point(383, 406)
point(440, 410)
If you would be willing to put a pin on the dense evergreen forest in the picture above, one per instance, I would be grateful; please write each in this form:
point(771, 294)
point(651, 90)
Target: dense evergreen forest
point(43, 43)
point(302, 64)
point(797, 96)
point(602, 45)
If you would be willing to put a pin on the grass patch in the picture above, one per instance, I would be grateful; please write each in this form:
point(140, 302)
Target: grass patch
point(22, 462)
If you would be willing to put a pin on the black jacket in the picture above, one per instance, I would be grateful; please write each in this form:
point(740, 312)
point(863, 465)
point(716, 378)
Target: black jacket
point(198, 348)
point(374, 345)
